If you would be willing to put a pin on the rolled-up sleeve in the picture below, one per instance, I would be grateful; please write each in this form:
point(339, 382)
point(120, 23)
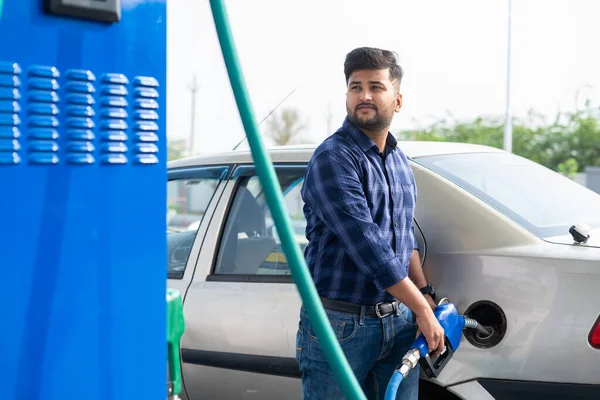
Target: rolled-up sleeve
point(334, 192)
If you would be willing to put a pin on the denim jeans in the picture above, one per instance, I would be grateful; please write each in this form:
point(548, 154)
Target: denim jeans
point(374, 347)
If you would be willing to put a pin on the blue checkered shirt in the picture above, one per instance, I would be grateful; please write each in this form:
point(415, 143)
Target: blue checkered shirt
point(359, 206)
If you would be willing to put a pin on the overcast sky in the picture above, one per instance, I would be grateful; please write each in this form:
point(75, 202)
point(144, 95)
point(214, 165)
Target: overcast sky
point(453, 53)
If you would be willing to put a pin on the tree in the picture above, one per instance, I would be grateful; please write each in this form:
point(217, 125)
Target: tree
point(581, 137)
point(569, 168)
point(286, 127)
point(567, 144)
point(176, 149)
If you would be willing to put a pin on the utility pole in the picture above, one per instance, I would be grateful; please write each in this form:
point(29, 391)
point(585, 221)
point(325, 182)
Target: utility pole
point(194, 88)
point(508, 121)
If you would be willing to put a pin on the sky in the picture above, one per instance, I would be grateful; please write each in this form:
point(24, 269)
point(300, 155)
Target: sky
point(454, 56)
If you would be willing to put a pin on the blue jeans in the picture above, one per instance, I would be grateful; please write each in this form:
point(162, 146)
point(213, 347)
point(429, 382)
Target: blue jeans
point(374, 347)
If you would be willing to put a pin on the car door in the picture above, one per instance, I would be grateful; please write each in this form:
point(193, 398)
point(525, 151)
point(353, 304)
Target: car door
point(192, 196)
point(242, 307)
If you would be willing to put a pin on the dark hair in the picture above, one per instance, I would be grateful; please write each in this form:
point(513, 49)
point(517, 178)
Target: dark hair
point(372, 58)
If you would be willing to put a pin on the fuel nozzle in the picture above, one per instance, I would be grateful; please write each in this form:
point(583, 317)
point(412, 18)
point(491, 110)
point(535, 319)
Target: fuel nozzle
point(453, 324)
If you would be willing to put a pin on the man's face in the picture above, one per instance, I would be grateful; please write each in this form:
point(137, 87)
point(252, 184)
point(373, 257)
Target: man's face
point(372, 99)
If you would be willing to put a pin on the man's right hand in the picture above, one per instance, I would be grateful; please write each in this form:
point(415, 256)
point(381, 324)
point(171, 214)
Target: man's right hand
point(407, 293)
point(433, 332)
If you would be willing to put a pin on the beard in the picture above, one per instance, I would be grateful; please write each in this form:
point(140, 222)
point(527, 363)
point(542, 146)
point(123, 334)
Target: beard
point(377, 122)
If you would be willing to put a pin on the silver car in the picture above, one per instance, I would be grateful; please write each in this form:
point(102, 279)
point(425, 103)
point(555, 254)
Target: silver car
point(511, 243)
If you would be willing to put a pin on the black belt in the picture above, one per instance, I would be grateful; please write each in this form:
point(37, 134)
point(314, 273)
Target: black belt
point(380, 310)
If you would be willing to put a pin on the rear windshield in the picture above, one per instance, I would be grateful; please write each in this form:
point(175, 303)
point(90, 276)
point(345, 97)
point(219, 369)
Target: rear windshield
point(540, 200)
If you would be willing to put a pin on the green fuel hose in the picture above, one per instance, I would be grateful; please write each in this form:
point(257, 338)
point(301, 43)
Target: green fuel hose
point(266, 174)
point(175, 329)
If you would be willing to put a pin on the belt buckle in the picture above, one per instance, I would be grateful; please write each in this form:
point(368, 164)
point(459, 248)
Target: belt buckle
point(379, 315)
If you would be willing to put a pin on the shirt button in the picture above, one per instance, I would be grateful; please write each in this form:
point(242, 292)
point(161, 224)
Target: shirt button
point(396, 224)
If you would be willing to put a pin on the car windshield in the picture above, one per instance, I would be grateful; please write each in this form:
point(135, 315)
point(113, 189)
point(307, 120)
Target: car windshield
point(542, 201)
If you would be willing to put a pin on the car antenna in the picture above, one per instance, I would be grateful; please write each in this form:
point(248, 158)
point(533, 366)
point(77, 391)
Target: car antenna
point(580, 233)
point(267, 116)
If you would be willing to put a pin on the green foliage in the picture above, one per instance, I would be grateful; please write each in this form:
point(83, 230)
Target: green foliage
point(568, 168)
point(568, 144)
point(174, 207)
point(176, 149)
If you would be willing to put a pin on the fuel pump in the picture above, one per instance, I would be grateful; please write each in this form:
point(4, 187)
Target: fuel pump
point(82, 175)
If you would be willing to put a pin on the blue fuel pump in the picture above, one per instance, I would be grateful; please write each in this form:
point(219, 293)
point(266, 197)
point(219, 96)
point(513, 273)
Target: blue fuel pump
point(453, 324)
point(82, 213)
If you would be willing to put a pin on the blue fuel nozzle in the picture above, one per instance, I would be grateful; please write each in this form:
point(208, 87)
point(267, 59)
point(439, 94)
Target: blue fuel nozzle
point(453, 324)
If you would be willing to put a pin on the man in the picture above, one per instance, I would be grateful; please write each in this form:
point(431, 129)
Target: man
point(360, 195)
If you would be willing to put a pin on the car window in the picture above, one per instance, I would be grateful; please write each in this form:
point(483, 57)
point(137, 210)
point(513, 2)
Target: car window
point(250, 243)
point(539, 199)
point(188, 198)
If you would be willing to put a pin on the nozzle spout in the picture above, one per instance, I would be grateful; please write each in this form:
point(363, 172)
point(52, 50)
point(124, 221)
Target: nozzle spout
point(471, 323)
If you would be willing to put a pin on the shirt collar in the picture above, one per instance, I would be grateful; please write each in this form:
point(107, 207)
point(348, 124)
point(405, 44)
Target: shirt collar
point(364, 142)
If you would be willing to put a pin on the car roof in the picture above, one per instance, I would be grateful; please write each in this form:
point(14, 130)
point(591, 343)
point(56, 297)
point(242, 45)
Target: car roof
point(302, 153)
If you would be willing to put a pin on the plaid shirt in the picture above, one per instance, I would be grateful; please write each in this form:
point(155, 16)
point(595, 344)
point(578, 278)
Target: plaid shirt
point(359, 206)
